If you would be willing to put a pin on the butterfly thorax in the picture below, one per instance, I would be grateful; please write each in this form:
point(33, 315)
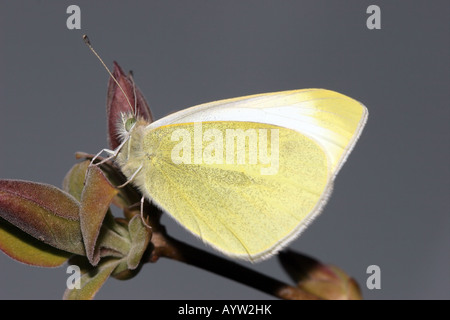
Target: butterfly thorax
point(131, 156)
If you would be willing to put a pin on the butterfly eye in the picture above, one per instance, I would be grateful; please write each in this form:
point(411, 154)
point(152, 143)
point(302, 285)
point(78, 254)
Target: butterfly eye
point(129, 124)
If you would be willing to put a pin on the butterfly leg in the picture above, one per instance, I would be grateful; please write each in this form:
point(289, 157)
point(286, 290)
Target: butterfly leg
point(142, 213)
point(108, 151)
point(112, 153)
point(132, 177)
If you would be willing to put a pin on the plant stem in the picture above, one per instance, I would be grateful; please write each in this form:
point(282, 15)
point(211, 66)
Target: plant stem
point(168, 247)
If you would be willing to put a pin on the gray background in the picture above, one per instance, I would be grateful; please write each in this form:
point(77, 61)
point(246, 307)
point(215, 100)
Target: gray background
point(390, 206)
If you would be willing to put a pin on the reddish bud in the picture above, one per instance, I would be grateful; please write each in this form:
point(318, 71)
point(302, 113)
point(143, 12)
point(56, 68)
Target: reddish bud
point(117, 103)
point(325, 281)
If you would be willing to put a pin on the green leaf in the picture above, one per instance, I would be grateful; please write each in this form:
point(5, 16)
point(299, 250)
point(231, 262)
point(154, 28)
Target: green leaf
point(95, 200)
point(140, 236)
point(122, 272)
point(26, 249)
point(111, 240)
point(44, 212)
point(73, 182)
point(92, 279)
point(118, 225)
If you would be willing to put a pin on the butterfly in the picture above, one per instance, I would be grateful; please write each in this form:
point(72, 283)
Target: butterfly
point(246, 175)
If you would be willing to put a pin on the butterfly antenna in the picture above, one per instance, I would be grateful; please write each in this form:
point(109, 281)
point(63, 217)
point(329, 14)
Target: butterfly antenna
point(88, 43)
point(130, 75)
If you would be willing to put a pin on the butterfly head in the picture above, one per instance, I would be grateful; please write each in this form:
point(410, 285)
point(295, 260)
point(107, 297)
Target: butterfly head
point(125, 125)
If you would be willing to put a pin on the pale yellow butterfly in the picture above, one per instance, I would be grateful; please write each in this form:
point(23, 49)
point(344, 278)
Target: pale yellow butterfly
point(246, 175)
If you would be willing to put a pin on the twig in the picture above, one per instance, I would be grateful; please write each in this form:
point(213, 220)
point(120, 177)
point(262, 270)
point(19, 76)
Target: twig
point(168, 247)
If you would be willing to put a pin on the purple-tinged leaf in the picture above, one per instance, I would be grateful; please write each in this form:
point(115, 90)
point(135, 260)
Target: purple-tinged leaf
point(92, 279)
point(127, 195)
point(116, 103)
point(26, 249)
point(95, 201)
point(44, 212)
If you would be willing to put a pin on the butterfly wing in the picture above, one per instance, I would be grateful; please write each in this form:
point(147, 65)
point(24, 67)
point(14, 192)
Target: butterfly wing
point(332, 119)
point(233, 206)
point(246, 209)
